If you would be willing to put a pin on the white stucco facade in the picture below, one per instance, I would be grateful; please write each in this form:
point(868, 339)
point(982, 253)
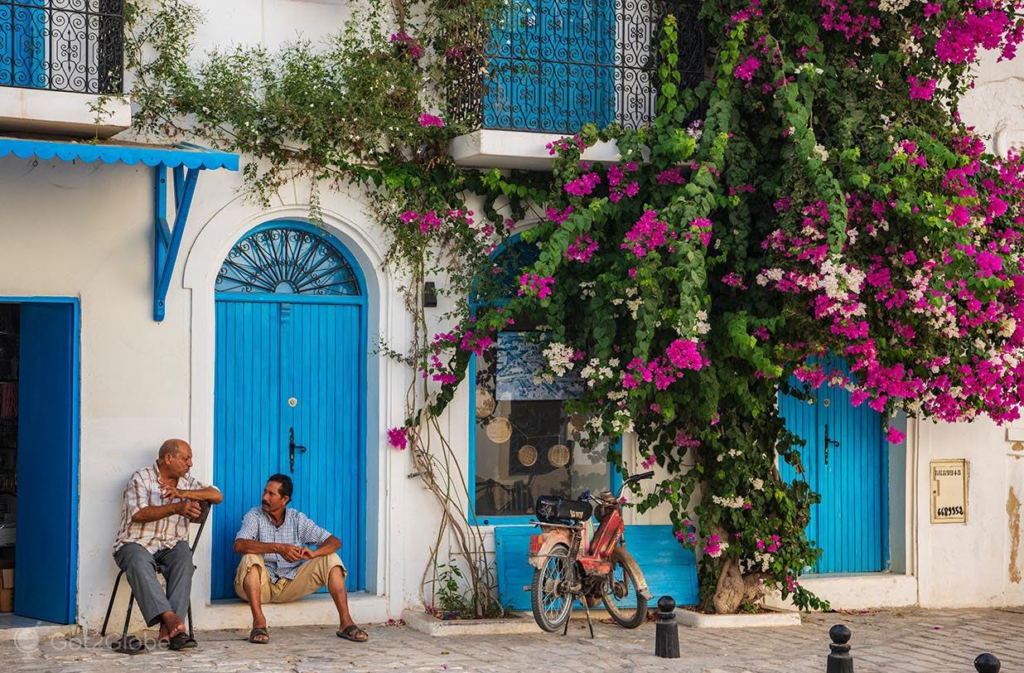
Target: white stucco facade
point(86, 231)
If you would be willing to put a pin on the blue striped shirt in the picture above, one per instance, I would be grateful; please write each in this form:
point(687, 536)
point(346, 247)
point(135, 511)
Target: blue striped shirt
point(297, 529)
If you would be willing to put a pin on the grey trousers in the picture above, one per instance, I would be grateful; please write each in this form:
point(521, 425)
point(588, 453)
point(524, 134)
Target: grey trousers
point(140, 567)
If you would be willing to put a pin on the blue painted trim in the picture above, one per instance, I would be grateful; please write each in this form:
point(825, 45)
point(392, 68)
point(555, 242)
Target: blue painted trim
point(361, 572)
point(166, 255)
point(294, 298)
point(76, 432)
point(187, 155)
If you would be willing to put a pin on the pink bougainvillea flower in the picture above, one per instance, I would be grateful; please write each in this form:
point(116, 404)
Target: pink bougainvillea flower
point(685, 354)
point(582, 250)
point(532, 283)
point(988, 264)
point(960, 216)
point(894, 435)
point(427, 120)
point(398, 437)
point(923, 90)
point(745, 71)
point(583, 185)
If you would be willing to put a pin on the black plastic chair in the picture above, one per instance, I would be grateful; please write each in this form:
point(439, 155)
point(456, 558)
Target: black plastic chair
point(201, 520)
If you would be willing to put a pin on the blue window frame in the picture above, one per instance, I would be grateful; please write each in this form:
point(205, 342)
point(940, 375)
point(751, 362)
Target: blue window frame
point(522, 441)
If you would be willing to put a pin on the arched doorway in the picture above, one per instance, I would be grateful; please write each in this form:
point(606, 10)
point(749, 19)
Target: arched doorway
point(290, 387)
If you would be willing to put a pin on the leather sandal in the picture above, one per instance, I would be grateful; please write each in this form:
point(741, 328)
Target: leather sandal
point(182, 641)
point(259, 631)
point(352, 632)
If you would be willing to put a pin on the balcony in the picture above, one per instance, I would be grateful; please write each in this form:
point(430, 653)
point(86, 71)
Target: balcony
point(554, 65)
point(57, 59)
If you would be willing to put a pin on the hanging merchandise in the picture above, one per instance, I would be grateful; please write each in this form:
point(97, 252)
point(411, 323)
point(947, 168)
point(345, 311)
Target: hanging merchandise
point(8, 400)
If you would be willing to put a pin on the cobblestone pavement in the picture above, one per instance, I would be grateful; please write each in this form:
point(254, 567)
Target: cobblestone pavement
point(889, 641)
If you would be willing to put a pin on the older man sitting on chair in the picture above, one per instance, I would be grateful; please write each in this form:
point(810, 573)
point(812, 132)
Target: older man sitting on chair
point(157, 504)
point(279, 567)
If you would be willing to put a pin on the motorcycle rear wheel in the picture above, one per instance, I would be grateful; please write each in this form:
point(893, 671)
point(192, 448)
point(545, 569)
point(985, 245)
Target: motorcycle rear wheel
point(551, 607)
point(619, 591)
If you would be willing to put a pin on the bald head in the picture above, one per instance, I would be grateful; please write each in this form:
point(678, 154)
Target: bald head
point(172, 447)
point(175, 458)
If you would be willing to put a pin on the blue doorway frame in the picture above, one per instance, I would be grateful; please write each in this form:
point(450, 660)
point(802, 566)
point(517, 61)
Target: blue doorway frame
point(46, 585)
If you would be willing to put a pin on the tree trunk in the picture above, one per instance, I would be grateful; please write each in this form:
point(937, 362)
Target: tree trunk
point(735, 589)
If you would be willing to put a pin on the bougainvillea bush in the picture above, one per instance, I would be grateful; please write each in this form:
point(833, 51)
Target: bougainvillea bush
point(817, 201)
point(813, 214)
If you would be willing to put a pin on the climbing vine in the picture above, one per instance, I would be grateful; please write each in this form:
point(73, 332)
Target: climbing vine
point(356, 112)
point(815, 214)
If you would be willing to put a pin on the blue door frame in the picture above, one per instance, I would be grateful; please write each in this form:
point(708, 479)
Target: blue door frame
point(270, 347)
point(46, 552)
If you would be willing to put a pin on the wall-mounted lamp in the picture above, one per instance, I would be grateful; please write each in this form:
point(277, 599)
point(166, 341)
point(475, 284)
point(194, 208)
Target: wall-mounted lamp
point(429, 294)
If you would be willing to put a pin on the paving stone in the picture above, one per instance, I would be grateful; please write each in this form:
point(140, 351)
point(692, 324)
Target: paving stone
point(894, 641)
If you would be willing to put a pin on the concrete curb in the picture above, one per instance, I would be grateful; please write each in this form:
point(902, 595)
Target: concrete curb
point(420, 621)
point(29, 636)
point(770, 619)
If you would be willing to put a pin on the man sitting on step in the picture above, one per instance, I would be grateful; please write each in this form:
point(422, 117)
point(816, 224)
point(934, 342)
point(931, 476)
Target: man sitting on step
point(279, 566)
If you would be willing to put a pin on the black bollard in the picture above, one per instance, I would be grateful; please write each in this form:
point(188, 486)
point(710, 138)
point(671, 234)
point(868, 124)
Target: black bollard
point(839, 661)
point(666, 633)
point(987, 663)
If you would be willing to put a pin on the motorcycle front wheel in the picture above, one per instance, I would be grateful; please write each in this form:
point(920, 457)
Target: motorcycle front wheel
point(619, 591)
point(551, 605)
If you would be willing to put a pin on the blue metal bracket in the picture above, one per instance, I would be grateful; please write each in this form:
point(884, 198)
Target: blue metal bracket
point(167, 241)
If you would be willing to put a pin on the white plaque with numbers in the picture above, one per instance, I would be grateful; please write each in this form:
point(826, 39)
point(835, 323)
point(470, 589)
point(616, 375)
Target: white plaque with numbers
point(949, 490)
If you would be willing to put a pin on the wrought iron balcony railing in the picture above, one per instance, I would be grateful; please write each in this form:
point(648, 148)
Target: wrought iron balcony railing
point(554, 65)
point(62, 45)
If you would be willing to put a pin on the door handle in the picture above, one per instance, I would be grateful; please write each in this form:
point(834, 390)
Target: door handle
point(829, 442)
point(292, 448)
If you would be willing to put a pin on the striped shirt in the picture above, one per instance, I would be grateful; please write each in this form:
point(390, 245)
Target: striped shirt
point(297, 529)
point(143, 490)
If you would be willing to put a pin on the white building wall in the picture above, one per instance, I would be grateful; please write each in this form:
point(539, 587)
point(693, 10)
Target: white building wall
point(86, 231)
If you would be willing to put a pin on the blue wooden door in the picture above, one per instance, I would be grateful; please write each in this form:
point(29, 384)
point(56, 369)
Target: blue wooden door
point(322, 373)
point(248, 435)
point(552, 66)
point(46, 550)
point(290, 367)
point(850, 524)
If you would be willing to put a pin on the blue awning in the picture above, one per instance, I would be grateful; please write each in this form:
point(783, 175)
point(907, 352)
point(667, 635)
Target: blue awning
point(170, 164)
point(112, 152)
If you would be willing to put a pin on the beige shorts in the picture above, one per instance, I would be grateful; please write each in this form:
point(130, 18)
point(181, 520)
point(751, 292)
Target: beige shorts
point(310, 576)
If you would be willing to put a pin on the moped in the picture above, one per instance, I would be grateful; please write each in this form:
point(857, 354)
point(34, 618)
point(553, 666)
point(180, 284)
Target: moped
point(570, 567)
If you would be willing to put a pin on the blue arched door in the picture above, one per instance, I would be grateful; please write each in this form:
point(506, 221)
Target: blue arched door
point(290, 374)
point(846, 462)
